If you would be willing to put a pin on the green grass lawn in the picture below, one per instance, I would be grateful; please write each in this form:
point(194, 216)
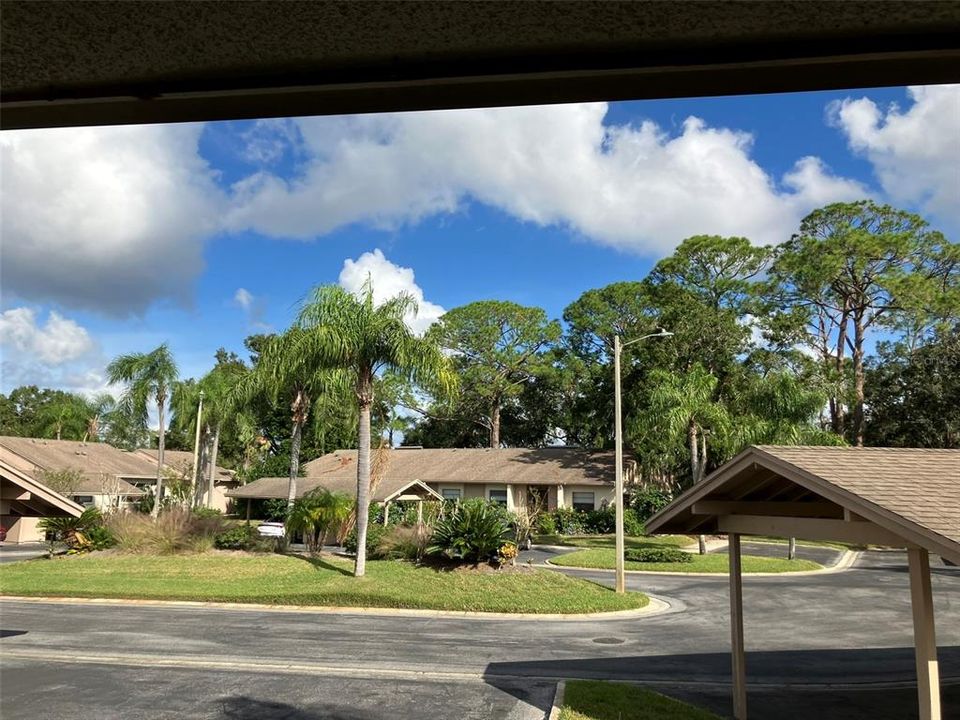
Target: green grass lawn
point(294, 580)
point(605, 558)
point(596, 700)
point(591, 541)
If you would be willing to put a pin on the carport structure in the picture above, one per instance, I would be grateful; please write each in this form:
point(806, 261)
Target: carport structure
point(894, 497)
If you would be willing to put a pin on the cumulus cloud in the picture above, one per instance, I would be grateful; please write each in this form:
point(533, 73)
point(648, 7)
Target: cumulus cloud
point(108, 219)
point(915, 152)
point(56, 353)
point(57, 341)
point(389, 280)
point(635, 187)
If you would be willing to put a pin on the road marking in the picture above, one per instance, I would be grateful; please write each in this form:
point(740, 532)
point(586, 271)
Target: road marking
point(258, 666)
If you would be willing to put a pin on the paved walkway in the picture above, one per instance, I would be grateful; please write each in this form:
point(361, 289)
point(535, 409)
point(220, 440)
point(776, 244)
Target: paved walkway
point(832, 637)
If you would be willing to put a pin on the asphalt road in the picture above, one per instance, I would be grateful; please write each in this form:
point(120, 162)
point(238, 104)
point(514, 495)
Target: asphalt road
point(842, 641)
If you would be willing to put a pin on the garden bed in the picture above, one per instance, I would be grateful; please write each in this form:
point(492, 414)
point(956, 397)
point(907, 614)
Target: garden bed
point(300, 580)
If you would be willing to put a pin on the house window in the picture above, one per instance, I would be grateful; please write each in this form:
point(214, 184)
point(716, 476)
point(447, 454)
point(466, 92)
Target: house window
point(497, 496)
point(583, 501)
point(83, 499)
point(451, 493)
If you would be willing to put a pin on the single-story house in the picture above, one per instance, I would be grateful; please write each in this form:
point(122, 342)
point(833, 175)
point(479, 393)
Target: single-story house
point(181, 463)
point(107, 476)
point(25, 500)
point(552, 477)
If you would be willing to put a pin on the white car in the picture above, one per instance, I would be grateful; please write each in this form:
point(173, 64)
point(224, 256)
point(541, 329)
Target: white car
point(270, 529)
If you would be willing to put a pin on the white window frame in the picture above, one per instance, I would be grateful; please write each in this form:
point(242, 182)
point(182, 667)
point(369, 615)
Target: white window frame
point(593, 499)
point(79, 499)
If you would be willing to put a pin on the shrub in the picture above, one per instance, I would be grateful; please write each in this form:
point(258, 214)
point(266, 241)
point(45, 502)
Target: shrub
point(568, 521)
point(174, 531)
point(473, 532)
point(375, 534)
point(508, 553)
point(243, 537)
point(632, 525)
point(79, 534)
point(205, 512)
point(275, 510)
point(650, 500)
point(99, 537)
point(599, 522)
point(402, 542)
point(546, 524)
point(657, 555)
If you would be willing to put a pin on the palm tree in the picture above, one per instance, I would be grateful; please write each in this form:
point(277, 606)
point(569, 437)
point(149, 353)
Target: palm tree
point(66, 413)
point(99, 408)
point(218, 411)
point(352, 333)
point(149, 376)
point(683, 409)
point(288, 366)
point(317, 512)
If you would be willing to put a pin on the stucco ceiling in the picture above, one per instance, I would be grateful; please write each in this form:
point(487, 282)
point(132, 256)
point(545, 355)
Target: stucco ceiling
point(106, 62)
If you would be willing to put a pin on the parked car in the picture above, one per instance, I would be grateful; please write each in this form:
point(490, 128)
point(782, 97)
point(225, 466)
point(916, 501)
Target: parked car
point(271, 529)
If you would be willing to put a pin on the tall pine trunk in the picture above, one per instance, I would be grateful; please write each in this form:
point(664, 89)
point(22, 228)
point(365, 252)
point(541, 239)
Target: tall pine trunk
point(161, 442)
point(363, 488)
point(858, 377)
point(495, 424)
point(212, 472)
point(695, 474)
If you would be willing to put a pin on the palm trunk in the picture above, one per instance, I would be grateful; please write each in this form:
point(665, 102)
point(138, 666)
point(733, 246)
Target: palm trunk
point(495, 424)
point(161, 442)
point(363, 488)
point(294, 463)
point(695, 474)
point(211, 480)
point(792, 549)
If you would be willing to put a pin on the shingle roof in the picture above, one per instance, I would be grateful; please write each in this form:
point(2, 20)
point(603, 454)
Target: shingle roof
point(101, 485)
point(912, 492)
point(182, 461)
point(541, 466)
point(92, 459)
point(386, 489)
point(922, 485)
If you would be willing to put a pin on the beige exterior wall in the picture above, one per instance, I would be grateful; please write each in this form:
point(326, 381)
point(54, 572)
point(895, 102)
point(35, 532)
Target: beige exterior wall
point(601, 493)
point(557, 495)
point(21, 529)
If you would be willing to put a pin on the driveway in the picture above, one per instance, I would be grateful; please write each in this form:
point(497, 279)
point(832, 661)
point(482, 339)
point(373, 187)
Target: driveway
point(23, 551)
point(843, 641)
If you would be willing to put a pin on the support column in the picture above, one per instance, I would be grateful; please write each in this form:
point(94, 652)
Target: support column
point(386, 514)
point(420, 512)
point(248, 510)
point(560, 502)
point(924, 635)
point(736, 630)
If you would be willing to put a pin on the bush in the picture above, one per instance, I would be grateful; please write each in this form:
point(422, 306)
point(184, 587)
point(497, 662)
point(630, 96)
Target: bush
point(402, 542)
point(649, 501)
point(99, 537)
point(375, 534)
point(205, 512)
point(568, 521)
point(657, 555)
point(472, 532)
point(79, 534)
point(599, 522)
point(244, 537)
point(546, 524)
point(174, 531)
point(632, 525)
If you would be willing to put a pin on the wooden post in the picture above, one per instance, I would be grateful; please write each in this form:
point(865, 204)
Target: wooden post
point(924, 635)
point(736, 630)
point(248, 510)
point(420, 512)
point(386, 514)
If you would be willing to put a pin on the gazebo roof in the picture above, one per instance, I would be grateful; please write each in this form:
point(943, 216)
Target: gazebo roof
point(888, 496)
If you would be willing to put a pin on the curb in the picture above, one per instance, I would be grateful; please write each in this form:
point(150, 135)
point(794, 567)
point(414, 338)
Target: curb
point(846, 561)
point(558, 700)
point(655, 606)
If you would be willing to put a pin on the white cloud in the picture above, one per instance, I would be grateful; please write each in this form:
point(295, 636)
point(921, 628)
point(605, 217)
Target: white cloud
point(243, 298)
point(108, 219)
point(58, 341)
point(633, 187)
point(58, 353)
point(388, 281)
point(915, 152)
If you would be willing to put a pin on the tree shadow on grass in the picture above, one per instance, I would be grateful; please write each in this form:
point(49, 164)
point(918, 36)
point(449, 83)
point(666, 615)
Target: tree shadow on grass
point(319, 563)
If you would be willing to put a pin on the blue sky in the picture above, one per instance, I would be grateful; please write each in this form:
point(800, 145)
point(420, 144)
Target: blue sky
point(117, 239)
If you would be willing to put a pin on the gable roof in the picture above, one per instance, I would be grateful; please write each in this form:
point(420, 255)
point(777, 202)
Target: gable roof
point(503, 466)
point(387, 489)
point(91, 458)
point(42, 500)
point(182, 461)
point(914, 493)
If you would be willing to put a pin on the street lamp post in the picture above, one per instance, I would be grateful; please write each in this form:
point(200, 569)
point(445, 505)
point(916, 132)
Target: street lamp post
point(618, 445)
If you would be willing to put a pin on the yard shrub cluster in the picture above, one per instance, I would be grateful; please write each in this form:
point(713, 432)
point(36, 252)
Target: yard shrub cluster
point(567, 521)
point(657, 555)
point(79, 534)
point(173, 531)
point(473, 531)
point(648, 501)
point(244, 537)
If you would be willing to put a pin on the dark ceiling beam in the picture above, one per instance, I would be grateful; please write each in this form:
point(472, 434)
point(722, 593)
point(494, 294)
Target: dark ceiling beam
point(113, 63)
